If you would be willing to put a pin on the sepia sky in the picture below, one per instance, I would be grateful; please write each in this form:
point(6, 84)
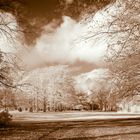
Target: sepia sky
point(33, 15)
point(73, 34)
point(54, 32)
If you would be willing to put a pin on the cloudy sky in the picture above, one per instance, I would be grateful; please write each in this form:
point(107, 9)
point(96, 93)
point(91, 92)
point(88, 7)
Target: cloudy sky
point(56, 32)
point(67, 42)
point(62, 34)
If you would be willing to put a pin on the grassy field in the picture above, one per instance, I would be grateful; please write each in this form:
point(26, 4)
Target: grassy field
point(100, 127)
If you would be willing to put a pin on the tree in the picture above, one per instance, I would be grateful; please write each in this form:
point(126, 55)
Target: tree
point(126, 70)
point(9, 67)
point(53, 87)
point(8, 34)
point(121, 28)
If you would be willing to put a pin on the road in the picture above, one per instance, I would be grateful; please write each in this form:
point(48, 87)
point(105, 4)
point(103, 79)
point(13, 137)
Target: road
point(100, 127)
point(69, 116)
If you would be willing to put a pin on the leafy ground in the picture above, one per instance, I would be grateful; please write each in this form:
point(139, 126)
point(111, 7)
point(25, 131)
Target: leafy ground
point(72, 126)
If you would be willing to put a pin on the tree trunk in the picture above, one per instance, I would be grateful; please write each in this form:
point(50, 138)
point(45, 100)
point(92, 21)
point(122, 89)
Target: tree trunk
point(44, 105)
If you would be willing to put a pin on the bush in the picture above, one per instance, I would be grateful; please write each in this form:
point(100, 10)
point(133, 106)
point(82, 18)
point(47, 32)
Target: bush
point(20, 109)
point(31, 109)
point(5, 118)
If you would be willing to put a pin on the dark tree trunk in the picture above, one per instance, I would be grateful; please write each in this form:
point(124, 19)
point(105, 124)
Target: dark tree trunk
point(44, 105)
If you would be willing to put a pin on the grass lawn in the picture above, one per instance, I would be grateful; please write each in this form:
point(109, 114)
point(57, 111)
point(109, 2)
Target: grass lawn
point(72, 125)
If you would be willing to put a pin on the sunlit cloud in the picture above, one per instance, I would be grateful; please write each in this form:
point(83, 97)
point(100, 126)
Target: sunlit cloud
point(92, 81)
point(65, 44)
point(69, 1)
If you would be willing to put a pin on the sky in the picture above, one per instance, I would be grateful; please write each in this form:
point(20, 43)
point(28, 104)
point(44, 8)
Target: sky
point(65, 42)
point(65, 45)
point(70, 43)
point(33, 15)
point(62, 39)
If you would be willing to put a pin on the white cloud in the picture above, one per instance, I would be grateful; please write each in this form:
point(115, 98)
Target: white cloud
point(65, 44)
point(68, 43)
point(69, 1)
point(92, 81)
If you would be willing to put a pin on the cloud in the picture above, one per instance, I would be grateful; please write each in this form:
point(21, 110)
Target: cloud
point(73, 41)
point(69, 1)
point(65, 44)
point(92, 81)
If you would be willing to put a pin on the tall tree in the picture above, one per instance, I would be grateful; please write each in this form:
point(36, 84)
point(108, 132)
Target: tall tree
point(54, 87)
point(121, 29)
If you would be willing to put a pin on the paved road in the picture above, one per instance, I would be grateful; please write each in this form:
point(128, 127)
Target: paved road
point(69, 116)
point(124, 129)
point(115, 128)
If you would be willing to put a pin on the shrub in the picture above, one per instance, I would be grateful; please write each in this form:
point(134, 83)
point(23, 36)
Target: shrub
point(5, 118)
point(31, 109)
point(20, 109)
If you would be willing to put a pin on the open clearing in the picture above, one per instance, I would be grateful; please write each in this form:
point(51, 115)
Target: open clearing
point(72, 126)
